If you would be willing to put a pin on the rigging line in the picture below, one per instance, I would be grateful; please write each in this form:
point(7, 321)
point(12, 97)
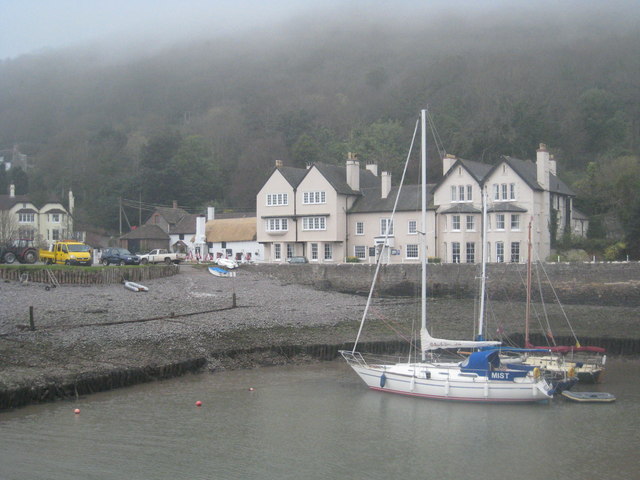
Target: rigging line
point(573, 333)
point(379, 262)
point(436, 137)
point(544, 306)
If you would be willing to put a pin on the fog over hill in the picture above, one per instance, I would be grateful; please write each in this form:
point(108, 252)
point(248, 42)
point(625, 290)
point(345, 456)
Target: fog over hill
point(197, 110)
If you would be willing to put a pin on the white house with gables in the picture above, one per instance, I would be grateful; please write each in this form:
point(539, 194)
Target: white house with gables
point(328, 213)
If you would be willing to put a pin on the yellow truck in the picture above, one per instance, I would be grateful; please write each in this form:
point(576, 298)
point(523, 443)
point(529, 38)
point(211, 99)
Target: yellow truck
point(67, 253)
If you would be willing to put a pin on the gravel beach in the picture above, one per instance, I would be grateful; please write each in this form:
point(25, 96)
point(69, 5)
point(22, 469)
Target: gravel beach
point(88, 330)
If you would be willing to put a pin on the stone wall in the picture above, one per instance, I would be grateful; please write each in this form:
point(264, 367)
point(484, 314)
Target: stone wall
point(579, 283)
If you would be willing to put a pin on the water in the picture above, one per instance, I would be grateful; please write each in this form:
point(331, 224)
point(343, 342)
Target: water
point(318, 422)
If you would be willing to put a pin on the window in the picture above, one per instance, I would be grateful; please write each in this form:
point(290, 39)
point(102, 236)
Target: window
point(289, 250)
point(471, 252)
point(314, 223)
point(55, 234)
point(277, 199)
point(454, 193)
point(412, 251)
point(372, 251)
point(360, 251)
point(412, 227)
point(461, 193)
point(515, 252)
point(277, 225)
point(277, 253)
point(26, 217)
point(469, 193)
point(512, 191)
point(515, 222)
point(500, 252)
point(359, 228)
point(499, 221)
point(455, 252)
point(455, 223)
point(471, 224)
point(54, 218)
point(314, 251)
point(504, 191)
point(27, 233)
point(496, 191)
point(328, 251)
point(386, 223)
point(313, 197)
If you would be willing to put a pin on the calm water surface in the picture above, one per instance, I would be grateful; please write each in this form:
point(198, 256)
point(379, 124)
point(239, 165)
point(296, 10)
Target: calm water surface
point(317, 422)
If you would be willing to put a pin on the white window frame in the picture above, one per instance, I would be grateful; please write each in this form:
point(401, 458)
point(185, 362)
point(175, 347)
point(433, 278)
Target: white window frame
point(515, 248)
point(499, 252)
point(412, 252)
point(314, 252)
point(455, 223)
point(328, 251)
point(314, 223)
point(26, 218)
point(455, 252)
point(470, 223)
point(512, 191)
point(500, 221)
point(469, 193)
point(454, 193)
point(461, 193)
point(386, 223)
point(359, 228)
point(290, 250)
point(412, 227)
point(515, 222)
point(277, 199)
point(277, 225)
point(54, 218)
point(277, 251)
point(470, 252)
point(313, 198)
point(360, 251)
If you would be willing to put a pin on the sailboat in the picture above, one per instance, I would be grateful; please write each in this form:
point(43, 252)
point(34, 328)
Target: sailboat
point(481, 377)
point(584, 363)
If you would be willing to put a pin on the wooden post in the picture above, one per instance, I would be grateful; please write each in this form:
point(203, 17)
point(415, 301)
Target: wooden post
point(32, 324)
point(234, 300)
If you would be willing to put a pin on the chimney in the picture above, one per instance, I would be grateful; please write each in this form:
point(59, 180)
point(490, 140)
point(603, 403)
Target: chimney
point(552, 165)
point(542, 166)
point(373, 168)
point(175, 204)
point(447, 163)
point(200, 230)
point(385, 184)
point(211, 213)
point(278, 163)
point(353, 171)
point(72, 203)
point(12, 190)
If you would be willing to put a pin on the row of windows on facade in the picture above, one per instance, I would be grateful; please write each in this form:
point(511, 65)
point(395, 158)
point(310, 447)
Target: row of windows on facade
point(502, 192)
point(412, 252)
point(31, 217)
point(30, 234)
point(386, 225)
point(459, 193)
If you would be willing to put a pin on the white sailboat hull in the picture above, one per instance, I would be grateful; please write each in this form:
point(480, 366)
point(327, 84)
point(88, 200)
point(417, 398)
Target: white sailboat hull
point(447, 382)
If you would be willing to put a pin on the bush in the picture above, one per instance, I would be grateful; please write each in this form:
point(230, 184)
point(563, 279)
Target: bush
point(353, 260)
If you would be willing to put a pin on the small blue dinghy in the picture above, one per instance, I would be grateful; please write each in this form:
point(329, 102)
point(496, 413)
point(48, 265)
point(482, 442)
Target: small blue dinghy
point(589, 397)
point(221, 272)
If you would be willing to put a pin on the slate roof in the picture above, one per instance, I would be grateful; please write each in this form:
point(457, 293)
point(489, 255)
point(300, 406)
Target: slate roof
point(170, 214)
point(147, 231)
point(477, 170)
point(529, 173)
point(505, 207)
point(187, 224)
point(410, 200)
point(337, 177)
point(461, 208)
point(293, 175)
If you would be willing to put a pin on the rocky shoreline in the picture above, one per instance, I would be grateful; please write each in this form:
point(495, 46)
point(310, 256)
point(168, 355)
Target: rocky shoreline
point(91, 338)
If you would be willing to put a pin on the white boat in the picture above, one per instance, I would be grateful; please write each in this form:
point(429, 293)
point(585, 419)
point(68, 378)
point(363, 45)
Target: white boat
point(221, 272)
point(478, 378)
point(135, 287)
point(227, 262)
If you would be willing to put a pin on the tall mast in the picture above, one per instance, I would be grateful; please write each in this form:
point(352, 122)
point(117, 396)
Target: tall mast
point(528, 307)
point(423, 306)
point(483, 278)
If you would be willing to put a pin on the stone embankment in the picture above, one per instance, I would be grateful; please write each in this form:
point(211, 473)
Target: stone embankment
point(87, 338)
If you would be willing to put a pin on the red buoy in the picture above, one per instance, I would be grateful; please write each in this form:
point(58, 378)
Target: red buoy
point(76, 411)
point(198, 403)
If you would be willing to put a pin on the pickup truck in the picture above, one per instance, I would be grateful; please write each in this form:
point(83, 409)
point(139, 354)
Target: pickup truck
point(161, 255)
point(67, 253)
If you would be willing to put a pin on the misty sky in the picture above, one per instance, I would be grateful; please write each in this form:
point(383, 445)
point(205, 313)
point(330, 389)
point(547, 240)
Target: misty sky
point(28, 26)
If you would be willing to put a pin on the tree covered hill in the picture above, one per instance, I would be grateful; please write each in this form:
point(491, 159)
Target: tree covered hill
point(203, 122)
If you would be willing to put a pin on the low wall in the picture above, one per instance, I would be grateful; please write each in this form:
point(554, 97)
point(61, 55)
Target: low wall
point(82, 276)
point(579, 283)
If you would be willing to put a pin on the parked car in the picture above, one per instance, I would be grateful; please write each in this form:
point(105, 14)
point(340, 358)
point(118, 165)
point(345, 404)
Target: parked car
point(298, 260)
point(119, 256)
